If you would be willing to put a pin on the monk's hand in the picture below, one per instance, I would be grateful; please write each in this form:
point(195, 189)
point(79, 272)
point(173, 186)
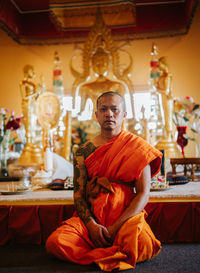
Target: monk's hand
point(99, 234)
point(112, 233)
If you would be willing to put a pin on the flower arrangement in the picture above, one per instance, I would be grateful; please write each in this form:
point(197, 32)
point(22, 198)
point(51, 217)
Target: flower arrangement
point(8, 124)
point(186, 112)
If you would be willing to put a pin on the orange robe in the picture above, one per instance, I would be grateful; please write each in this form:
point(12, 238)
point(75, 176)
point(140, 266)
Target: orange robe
point(121, 159)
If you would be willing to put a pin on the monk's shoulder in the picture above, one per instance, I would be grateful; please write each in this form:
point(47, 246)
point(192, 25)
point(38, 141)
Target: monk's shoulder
point(86, 149)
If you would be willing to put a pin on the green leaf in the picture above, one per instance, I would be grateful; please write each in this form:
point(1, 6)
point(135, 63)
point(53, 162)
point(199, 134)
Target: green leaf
point(11, 141)
point(191, 138)
point(193, 130)
point(195, 107)
point(186, 118)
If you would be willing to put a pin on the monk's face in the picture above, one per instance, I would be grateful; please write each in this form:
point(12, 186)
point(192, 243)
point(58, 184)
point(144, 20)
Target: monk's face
point(110, 113)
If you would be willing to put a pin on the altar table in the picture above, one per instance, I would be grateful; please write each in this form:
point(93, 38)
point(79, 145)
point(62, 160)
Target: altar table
point(174, 214)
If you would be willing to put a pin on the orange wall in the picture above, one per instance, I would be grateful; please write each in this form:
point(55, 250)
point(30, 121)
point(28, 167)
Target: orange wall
point(183, 53)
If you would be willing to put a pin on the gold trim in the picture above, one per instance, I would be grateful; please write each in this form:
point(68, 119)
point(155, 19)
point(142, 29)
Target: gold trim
point(71, 202)
point(80, 37)
point(67, 37)
point(36, 202)
point(173, 200)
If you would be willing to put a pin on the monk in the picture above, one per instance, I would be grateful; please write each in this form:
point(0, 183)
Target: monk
point(112, 174)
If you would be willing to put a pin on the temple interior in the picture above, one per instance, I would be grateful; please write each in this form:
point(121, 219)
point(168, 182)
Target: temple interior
point(57, 57)
point(130, 65)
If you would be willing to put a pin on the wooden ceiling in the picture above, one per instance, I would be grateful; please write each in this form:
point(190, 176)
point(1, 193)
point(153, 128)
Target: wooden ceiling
point(62, 21)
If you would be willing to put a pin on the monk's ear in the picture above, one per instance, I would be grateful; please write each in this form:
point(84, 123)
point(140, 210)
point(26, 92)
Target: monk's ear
point(96, 114)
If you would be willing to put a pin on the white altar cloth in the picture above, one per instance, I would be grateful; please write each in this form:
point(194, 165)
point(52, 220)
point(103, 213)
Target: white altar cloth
point(189, 192)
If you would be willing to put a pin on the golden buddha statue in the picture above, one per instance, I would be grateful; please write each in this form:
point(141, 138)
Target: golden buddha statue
point(92, 90)
point(101, 53)
point(164, 87)
point(31, 153)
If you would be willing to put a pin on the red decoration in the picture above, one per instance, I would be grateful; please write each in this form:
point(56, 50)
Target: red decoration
point(181, 139)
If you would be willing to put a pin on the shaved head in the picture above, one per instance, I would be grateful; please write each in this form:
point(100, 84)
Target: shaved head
point(112, 93)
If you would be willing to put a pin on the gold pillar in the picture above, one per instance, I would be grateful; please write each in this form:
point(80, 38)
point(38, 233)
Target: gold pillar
point(67, 136)
point(146, 131)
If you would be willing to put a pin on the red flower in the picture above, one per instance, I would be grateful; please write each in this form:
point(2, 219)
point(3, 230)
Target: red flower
point(13, 124)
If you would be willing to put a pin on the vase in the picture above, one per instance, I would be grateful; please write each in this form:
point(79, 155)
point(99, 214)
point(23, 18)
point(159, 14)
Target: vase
point(181, 139)
point(4, 148)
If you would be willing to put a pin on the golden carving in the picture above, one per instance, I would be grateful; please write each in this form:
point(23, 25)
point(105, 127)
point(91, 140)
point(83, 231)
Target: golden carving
point(164, 87)
point(48, 113)
point(48, 110)
point(98, 48)
point(100, 62)
point(67, 136)
point(81, 14)
point(29, 96)
point(31, 153)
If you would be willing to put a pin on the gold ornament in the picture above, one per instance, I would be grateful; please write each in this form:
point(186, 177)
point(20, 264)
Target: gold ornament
point(164, 87)
point(99, 49)
point(48, 110)
point(67, 136)
point(48, 113)
point(31, 153)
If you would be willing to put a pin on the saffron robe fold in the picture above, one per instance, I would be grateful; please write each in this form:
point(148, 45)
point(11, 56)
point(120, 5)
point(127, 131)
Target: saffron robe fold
point(121, 159)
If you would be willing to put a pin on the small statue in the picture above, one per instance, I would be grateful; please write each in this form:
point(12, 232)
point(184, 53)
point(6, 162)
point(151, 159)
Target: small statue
point(31, 153)
point(29, 96)
point(164, 87)
point(92, 90)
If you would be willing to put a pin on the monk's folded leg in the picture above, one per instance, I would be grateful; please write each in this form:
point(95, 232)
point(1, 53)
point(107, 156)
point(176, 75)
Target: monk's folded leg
point(70, 242)
point(137, 240)
point(127, 243)
point(127, 237)
point(148, 245)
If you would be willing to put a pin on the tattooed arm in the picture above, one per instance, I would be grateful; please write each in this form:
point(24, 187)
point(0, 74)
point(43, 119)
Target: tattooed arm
point(96, 231)
point(80, 180)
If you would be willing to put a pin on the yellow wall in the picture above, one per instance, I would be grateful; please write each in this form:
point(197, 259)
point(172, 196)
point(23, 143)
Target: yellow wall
point(183, 53)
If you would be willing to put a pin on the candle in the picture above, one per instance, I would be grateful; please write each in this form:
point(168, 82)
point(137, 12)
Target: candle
point(48, 160)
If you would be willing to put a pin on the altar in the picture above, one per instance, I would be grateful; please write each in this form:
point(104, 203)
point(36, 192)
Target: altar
point(189, 192)
point(30, 217)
